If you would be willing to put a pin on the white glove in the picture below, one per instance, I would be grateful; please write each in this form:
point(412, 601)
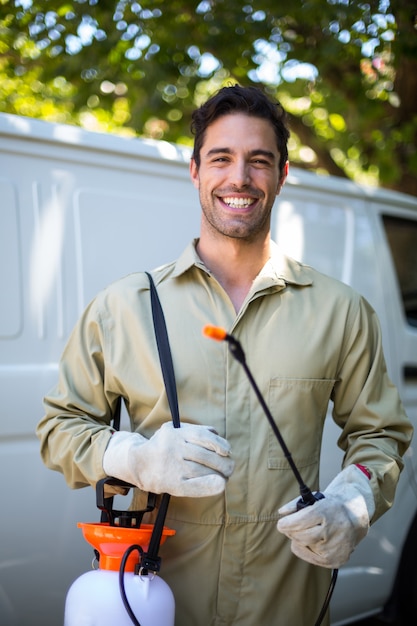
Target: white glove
point(327, 532)
point(191, 461)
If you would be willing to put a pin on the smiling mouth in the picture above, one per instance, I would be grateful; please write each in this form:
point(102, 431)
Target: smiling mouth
point(238, 203)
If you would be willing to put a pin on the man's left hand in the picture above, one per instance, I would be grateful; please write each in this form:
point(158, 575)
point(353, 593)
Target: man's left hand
point(327, 532)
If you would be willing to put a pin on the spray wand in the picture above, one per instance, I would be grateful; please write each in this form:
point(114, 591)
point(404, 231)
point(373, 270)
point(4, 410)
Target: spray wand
point(308, 498)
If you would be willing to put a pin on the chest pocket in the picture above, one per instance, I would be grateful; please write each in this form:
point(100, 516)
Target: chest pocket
point(298, 406)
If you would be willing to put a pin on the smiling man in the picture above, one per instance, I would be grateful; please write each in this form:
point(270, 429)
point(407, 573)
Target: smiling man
point(238, 174)
point(228, 563)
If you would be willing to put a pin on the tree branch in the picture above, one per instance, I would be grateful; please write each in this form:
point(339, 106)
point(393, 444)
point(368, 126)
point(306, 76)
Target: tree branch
point(308, 138)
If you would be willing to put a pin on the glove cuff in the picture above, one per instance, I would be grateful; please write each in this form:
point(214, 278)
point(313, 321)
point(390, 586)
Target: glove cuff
point(350, 480)
point(116, 455)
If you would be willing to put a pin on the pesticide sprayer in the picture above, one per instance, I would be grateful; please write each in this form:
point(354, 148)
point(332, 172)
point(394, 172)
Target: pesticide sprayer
point(125, 589)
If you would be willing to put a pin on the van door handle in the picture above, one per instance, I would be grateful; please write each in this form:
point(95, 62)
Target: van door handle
point(410, 372)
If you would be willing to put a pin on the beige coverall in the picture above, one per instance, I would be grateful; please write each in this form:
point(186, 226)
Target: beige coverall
point(308, 339)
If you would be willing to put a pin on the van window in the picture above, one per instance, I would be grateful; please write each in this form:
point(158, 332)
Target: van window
point(402, 239)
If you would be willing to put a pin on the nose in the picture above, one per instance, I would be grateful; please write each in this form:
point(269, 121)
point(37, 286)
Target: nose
point(240, 174)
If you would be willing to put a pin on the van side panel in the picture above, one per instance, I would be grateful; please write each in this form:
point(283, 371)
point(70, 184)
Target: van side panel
point(74, 216)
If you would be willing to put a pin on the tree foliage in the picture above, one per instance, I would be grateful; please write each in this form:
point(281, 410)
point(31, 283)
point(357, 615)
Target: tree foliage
point(345, 70)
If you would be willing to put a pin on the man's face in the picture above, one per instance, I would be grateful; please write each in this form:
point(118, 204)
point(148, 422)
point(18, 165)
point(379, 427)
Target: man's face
point(238, 178)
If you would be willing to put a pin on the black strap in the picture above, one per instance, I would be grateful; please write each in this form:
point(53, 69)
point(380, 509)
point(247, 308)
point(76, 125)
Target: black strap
point(165, 357)
point(150, 560)
point(105, 516)
point(116, 414)
point(164, 351)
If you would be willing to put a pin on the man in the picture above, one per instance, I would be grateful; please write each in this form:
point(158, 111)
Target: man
point(308, 339)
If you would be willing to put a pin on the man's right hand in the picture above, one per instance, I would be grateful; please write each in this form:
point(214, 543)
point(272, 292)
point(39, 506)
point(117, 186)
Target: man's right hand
point(190, 461)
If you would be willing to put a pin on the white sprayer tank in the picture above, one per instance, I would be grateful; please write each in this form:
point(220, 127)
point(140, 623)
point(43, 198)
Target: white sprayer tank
point(94, 599)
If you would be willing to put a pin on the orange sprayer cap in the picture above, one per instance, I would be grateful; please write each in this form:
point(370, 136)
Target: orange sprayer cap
point(112, 542)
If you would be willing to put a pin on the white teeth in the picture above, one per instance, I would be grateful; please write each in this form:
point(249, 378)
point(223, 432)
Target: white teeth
point(238, 202)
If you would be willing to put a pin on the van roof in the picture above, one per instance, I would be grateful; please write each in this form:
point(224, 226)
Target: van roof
point(33, 130)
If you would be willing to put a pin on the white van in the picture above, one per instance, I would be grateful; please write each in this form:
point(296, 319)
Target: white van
point(78, 210)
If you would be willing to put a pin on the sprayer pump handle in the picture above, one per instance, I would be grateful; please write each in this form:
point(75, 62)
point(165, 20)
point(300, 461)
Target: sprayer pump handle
point(129, 519)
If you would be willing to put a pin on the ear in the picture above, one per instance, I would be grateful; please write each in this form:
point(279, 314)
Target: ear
point(283, 177)
point(194, 174)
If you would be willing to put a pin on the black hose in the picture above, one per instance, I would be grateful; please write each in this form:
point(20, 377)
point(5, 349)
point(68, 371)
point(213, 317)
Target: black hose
point(136, 622)
point(327, 598)
point(122, 582)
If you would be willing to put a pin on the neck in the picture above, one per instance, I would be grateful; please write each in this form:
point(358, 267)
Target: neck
point(235, 263)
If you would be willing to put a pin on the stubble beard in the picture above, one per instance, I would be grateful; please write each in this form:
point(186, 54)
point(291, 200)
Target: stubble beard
point(238, 227)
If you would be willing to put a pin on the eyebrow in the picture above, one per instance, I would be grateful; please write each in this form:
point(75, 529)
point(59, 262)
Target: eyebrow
point(259, 151)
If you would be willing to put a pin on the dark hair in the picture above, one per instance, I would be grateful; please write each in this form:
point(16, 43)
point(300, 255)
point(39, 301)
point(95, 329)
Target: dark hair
point(236, 99)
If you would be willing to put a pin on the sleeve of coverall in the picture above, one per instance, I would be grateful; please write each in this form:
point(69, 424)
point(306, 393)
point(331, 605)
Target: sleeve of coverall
point(76, 428)
point(375, 429)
